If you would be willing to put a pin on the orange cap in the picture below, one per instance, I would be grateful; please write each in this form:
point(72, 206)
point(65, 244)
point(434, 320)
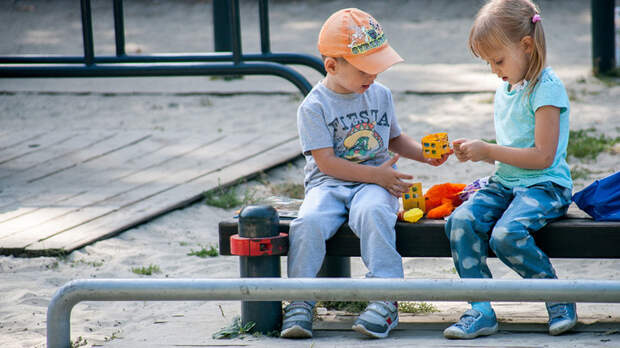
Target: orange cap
point(358, 38)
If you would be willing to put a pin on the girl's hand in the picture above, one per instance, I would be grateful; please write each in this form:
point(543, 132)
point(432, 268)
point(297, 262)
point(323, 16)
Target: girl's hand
point(471, 150)
point(458, 152)
point(391, 179)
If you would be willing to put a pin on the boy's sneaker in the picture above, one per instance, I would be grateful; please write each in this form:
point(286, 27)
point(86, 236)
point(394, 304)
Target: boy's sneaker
point(378, 319)
point(297, 321)
point(471, 325)
point(562, 317)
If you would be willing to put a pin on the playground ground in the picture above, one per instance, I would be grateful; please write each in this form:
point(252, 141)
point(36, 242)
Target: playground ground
point(440, 87)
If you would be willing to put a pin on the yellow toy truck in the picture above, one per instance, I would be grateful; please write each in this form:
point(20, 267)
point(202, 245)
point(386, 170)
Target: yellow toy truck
point(414, 198)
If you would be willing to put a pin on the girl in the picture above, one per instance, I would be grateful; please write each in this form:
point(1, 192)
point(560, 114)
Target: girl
point(532, 184)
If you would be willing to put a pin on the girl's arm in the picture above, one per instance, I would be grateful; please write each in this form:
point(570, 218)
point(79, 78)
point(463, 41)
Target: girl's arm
point(541, 156)
point(383, 175)
point(405, 146)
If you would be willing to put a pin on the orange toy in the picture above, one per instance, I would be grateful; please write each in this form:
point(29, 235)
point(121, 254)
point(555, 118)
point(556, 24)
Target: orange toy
point(442, 199)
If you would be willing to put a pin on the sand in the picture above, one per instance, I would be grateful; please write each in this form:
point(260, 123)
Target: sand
point(437, 63)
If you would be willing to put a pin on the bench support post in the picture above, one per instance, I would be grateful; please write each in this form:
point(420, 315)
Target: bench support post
point(335, 267)
point(259, 223)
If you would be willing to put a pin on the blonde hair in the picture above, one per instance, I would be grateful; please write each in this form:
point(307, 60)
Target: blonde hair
point(501, 23)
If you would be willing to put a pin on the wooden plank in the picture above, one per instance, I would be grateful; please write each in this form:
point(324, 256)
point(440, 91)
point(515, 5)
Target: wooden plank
point(23, 184)
point(80, 153)
point(49, 220)
point(154, 185)
point(118, 164)
point(8, 142)
point(40, 161)
point(25, 148)
point(57, 190)
point(176, 197)
point(39, 194)
point(12, 140)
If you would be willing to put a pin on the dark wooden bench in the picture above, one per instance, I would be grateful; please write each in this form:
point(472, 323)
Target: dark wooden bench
point(569, 237)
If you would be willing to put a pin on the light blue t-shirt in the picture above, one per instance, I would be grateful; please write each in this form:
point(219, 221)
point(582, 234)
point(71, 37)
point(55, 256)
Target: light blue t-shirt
point(515, 124)
point(357, 126)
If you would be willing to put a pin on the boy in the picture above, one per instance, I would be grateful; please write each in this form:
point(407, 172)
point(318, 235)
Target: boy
point(346, 126)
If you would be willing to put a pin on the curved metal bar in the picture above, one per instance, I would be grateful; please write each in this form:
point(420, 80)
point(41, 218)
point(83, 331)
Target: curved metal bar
point(320, 289)
point(284, 58)
point(134, 70)
point(291, 58)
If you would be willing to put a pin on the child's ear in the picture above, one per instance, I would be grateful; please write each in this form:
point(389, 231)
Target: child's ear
point(330, 65)
point(527, 43)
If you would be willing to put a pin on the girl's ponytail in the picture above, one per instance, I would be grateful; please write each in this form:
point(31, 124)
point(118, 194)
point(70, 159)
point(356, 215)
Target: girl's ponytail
point(539, 53)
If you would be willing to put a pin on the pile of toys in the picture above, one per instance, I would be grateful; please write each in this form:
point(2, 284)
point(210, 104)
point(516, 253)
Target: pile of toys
point(440, 200)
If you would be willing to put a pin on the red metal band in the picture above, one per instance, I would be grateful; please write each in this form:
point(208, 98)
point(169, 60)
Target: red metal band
point(241, 246)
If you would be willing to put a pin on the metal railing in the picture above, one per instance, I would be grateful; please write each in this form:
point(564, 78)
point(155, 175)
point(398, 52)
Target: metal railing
point(319, 289)
point(184, 64)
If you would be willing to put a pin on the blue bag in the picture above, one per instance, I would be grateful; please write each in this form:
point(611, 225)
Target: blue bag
point(601, 199)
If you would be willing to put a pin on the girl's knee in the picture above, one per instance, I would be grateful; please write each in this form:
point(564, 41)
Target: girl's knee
point(504, 241)
point(459, 220)
point(461, 216)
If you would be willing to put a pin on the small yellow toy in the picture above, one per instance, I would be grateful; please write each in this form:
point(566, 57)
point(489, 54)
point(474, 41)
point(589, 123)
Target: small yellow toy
point(414, 198)
point(412, 215)
point(435, 145)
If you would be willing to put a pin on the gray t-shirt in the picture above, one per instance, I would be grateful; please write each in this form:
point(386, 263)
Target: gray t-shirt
point(357, 126)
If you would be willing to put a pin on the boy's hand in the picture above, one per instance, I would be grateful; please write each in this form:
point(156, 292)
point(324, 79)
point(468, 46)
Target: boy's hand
point(471, 150)
point(439, 161)
point(391, 179)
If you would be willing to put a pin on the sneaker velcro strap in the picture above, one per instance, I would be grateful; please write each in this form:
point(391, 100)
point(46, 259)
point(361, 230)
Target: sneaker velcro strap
point(381, 308)
point(298, 308)
point(472, 313)
point(296, 311)
point(295, 305)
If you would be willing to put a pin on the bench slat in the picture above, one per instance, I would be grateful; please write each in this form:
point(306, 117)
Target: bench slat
point(565, 238)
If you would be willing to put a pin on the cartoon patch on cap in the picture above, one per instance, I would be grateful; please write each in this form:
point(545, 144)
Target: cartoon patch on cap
point(364, 39)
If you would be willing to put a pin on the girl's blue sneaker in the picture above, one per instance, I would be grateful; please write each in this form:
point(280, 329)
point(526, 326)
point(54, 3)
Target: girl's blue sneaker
point(562, 317)
point(471, 325)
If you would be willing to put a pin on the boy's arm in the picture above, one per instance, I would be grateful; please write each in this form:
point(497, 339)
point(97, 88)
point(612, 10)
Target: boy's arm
point(541, 156)
point(405, 146)
point(383, 175)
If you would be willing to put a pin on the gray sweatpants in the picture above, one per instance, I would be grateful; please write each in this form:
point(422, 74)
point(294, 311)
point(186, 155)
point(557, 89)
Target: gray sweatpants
point(371, 212)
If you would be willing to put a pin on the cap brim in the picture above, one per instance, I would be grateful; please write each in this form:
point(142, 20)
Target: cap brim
point(376, 61)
